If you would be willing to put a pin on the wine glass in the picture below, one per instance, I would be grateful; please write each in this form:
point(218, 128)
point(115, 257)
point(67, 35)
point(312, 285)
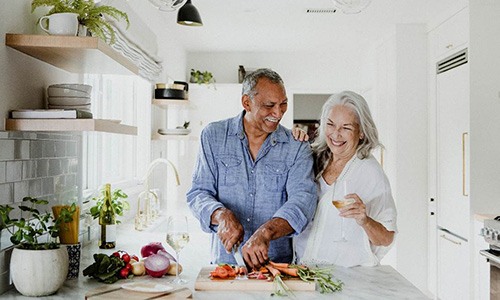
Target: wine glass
point(342, 203)
point(177, 238)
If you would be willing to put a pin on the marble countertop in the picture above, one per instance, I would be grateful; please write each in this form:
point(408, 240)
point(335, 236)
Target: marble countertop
point(382, 282)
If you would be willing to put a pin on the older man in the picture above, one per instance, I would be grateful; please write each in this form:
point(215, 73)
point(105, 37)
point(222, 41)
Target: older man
point(253, 183)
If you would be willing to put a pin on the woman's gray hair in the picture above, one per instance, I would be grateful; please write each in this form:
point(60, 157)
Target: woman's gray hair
point(359, 106)
point(251, 79)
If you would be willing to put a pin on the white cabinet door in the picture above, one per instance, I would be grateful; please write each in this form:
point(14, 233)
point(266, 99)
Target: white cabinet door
point(451, 35)
point(452, 150)
point(453, 267)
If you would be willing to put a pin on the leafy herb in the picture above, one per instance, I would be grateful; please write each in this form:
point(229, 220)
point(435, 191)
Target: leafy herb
point(33, 224)
point(106, 268)
point(323, 277)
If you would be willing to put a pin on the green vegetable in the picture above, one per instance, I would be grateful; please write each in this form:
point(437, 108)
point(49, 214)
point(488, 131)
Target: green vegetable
point(106, 268)
point(323, 277)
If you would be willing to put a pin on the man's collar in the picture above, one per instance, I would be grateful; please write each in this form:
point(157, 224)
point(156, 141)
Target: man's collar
point(236, 128)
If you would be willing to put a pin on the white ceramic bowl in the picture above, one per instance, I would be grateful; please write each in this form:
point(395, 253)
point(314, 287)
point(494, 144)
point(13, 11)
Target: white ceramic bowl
point(85, 88)
point(68, 100)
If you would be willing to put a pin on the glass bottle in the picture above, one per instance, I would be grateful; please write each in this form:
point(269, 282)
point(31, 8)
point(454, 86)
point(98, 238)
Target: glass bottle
point(107, 220)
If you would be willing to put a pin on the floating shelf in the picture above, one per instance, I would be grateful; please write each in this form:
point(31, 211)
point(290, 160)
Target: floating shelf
point(72, 53)
point(69, 125)
point(175, 137)
point(164, 103)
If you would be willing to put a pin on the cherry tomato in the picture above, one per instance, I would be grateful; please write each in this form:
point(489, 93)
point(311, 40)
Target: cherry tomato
point(135, 257)
point(128, 266)
point(126, 258)
point(124, 272)
point(117, 254)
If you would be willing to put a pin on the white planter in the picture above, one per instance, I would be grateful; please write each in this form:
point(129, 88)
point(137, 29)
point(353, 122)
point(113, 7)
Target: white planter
point(38, 272)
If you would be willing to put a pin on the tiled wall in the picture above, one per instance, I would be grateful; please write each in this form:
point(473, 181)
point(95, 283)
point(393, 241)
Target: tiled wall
point(41, 165)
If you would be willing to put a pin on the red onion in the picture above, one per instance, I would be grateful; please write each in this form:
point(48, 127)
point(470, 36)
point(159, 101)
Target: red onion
point(151, 248)
point(156, 265)
point(168, 255)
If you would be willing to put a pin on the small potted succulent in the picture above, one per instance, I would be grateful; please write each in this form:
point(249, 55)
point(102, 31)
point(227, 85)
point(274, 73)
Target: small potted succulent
point(90, 15)
point(38, 264)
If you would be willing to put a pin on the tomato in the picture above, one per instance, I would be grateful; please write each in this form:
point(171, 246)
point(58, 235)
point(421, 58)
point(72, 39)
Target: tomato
point(124, 272)
point(128, 266)
point(126, 258)
point(135, 257)
point(117, 254)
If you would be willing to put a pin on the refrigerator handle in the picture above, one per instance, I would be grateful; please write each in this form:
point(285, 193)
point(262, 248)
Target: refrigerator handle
point(464, 166)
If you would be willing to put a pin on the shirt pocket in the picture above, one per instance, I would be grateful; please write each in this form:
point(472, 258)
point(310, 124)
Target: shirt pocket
point(229, 168)
point(275, 176)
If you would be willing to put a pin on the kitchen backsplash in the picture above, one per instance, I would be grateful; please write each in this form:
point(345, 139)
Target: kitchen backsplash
point(41, 165)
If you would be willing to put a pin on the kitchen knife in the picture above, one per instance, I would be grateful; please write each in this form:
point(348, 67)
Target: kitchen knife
point(240, 261)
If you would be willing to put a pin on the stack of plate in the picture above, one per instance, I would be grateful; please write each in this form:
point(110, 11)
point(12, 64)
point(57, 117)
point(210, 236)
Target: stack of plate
point(69, 96)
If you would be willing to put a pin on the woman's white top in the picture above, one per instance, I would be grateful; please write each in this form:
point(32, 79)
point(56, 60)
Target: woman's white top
point(331, 239)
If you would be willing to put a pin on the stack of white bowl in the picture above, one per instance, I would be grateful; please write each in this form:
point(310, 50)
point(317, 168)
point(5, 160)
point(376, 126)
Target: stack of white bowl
point(69, 96)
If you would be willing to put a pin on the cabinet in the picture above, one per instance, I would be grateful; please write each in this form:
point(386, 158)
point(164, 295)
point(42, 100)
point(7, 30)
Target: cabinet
point(452, 150)
point(451, 35)
point(78, 55)
point(453, 267)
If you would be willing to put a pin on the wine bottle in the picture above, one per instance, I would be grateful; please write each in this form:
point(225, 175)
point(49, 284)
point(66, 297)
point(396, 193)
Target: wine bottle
point(107, 220)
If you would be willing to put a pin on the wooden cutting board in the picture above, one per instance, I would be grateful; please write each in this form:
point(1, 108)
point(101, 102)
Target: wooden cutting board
point(205, 283)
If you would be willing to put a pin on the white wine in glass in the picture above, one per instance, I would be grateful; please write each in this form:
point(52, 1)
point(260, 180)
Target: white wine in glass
point(342, 203)
point(177, 238)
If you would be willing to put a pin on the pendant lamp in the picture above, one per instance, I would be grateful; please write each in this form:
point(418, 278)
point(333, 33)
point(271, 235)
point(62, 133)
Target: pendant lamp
point(188, 15)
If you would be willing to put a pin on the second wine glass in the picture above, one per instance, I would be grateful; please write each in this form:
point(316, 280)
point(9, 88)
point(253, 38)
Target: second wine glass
point(341, 203)
point(177, 238)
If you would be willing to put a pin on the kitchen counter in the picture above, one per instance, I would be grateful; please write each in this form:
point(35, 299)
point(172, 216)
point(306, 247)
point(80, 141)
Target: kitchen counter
point(382, 282)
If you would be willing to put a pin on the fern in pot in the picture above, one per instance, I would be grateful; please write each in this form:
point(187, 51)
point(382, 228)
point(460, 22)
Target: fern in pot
point(90, 15)
point(38, 266)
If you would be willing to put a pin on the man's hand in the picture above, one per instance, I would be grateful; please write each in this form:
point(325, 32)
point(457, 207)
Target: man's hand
point(300, 134)
point(256, 249)
point(230, 230)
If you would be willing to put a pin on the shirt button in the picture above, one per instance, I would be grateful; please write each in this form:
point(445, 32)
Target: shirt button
point(248, 220)
point(251, 171)
point(251, 195)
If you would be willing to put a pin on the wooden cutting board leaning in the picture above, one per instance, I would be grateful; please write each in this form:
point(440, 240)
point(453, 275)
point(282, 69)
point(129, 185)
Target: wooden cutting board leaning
point(116, 291)
point(205, 283)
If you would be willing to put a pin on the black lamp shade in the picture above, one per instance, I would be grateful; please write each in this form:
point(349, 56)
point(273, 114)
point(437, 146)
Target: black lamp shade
point(188, 15)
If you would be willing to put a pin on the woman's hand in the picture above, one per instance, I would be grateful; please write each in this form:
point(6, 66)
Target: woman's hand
point(356, 210)
point(377, 233)
point(300, 134)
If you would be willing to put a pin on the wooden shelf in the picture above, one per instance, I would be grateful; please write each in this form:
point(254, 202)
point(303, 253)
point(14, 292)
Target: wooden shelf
point(167, 137)
point(69, 125)
point(72, 53)
point(164, 103)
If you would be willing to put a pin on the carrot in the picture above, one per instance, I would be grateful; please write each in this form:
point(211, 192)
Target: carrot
point(275, 272)
point(264, 270)
point(294, 272)
point(279, 265)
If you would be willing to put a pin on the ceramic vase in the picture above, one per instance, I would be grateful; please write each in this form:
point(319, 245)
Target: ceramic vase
point(38, 272)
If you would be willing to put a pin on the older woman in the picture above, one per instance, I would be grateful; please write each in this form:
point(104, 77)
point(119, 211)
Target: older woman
point(362, 232)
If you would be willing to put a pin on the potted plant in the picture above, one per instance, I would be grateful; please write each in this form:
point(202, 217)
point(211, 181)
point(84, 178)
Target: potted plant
point(37, 267)
point(200, 77)
point(89, 15)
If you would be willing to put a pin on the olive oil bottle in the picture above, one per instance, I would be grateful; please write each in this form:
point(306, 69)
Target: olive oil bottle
point(107, 220)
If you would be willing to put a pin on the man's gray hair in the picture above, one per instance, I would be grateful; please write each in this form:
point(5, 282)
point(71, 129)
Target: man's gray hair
point(251, 79)
point(366, 125)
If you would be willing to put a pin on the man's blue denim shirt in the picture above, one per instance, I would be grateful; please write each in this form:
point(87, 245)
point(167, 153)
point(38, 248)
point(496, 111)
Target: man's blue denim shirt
point(279, 183)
